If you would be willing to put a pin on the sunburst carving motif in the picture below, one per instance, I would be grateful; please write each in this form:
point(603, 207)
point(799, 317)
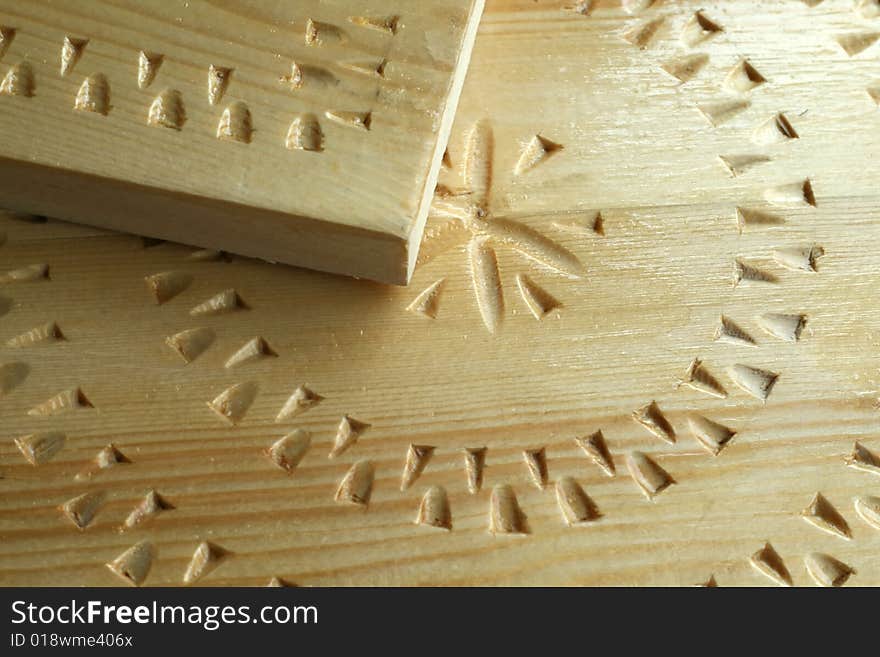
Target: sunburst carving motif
point(471, 216)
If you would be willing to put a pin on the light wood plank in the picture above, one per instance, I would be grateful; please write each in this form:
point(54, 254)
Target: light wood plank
point(308, 133)
point(625, 333)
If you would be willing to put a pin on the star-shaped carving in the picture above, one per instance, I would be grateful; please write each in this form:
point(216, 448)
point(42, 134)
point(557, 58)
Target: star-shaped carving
point(471, 215)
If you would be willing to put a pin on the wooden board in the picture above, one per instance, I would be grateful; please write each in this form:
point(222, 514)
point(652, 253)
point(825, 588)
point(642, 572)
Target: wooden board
point(303, 132)
point(651, 289)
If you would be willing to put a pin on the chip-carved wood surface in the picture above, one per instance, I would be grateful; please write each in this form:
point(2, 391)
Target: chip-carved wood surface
point(586, 123)
point(307, 132)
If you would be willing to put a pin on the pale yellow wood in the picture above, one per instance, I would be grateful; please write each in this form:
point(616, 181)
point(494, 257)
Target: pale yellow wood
point(423, 371)
point(303, 132)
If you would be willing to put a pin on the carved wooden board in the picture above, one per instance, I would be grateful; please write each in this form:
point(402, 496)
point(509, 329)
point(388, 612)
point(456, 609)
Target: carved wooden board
point(302, 131)
point(684, 262)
